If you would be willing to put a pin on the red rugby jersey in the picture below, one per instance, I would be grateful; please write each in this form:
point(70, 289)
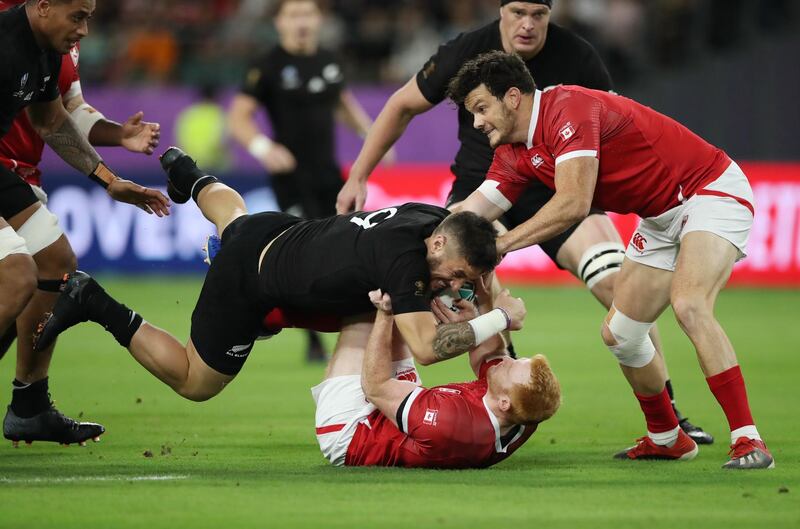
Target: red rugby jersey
point(648, 161)
point(442, 427)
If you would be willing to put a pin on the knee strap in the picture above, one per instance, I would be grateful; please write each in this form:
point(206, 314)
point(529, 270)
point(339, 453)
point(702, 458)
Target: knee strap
point(600, 261)
point(40, 230)
point(634, 347)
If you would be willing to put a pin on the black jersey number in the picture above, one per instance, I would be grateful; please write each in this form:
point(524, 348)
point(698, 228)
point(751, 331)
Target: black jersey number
point(374, 218)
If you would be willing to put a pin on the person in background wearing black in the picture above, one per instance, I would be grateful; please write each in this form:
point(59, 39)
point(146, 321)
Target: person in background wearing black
point(591, 250)
point(302, 88)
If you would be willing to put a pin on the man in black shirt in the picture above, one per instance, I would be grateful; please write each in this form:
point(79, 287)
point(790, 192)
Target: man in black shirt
point(302, 88)
point(33, 37)
point(591, 250)
point(276, 260)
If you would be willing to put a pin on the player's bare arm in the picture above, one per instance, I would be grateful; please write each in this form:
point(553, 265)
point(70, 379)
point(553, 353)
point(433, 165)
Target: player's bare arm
point(350, 113)
point(477, 203)
point(275, 157)
point(135, 134)
point(381, 389)
point(575, 181)
point(390, 124)
point(52, 122)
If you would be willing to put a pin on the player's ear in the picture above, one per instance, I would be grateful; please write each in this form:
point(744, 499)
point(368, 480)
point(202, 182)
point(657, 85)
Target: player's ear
point(513, 97)
point(439, 242)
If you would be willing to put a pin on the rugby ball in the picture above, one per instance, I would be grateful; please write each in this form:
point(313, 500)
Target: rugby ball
point(449, 297)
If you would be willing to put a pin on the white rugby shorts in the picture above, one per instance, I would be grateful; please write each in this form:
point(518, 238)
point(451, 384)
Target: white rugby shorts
point(342, 406)
point(724, 207)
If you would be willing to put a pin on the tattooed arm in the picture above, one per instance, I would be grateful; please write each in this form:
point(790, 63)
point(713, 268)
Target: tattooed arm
point(55, 126)
point(453, 339)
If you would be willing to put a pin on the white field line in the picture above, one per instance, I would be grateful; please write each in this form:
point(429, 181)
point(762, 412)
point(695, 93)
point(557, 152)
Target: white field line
point(72, 479)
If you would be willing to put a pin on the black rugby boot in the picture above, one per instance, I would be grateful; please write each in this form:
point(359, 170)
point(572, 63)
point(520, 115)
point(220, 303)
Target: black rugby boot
point(183, 175)
point(71, 308)
point(50, 425)
point(699, 435)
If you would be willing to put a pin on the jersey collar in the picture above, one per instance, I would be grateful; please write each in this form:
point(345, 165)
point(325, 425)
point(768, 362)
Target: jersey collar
point(537, 100)
point(498, 441)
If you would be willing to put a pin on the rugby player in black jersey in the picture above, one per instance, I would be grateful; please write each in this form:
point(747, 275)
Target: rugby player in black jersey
point(33, 37)
point(270, 260)
point(591, 250)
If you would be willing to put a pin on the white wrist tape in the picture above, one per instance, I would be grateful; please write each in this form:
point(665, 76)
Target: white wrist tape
point(85, 116)
point(259, 146)
point(489, 324)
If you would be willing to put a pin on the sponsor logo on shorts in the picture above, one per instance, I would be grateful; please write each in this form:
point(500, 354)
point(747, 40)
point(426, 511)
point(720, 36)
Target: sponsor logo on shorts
point(430, 417)
point(408, 374)
point(449, 390)
point(638, 241)
point(683, 221)
point(239, 351)
point(537, 160)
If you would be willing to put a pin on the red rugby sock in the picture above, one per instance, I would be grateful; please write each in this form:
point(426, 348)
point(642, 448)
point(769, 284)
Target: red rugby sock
point(658, 412)
point(728, 387)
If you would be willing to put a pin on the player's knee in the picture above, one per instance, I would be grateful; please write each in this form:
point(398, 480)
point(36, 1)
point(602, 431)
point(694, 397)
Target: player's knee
point(18, 272)
point(598, 267)
point(56, 260)
point(628, 340)
point(690, 310)
point(193, 393)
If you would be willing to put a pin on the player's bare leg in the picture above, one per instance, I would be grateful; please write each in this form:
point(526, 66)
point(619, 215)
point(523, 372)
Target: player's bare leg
point(17, 275)
point(641, 295)
point(589, 250)
point(178, 366)
point(704, 265)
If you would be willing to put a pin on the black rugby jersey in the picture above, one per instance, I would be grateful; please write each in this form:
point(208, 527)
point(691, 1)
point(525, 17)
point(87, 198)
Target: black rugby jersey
point(565, 59)
point(28, 74)
point(330, 265)
point(300, 94)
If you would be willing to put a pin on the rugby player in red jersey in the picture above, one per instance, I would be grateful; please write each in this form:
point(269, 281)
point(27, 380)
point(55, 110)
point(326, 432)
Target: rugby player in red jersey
point(598, 149)
point(371, 409)
point(31, 416)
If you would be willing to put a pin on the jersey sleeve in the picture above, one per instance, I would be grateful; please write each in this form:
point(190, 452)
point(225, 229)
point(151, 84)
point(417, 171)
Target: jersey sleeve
point(572, 129)
point(503, 184)
point(406, 282)
point(436, 73)
point(256, 82)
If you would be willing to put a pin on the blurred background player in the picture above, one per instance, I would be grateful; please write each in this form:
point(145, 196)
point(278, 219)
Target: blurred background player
point(31, 415)
point(371, 409)
point(591, 250)
point(301, 86)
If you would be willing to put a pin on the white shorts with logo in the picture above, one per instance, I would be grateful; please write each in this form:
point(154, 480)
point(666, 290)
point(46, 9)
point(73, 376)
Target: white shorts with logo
point(724, 207)
point(342, 406)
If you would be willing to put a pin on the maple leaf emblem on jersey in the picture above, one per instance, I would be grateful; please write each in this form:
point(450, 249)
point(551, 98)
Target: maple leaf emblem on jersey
point(567, 131)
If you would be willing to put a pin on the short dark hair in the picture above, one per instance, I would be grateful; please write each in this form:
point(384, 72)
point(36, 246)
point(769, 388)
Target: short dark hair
point(498, 70)
point(278, 6)
point(475, 238)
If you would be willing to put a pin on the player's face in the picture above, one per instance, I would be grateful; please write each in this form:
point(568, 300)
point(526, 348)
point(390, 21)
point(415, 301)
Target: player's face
point(508, 372)
point(66, 23)
point(523, 27)
point(299, 22)
point(450, 271)
point(490, 115)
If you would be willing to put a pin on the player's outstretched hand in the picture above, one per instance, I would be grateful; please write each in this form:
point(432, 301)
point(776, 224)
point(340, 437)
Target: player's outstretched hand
point(352, 196)
point(514, 307)
point(150, 200)
point(279, 159)
point(140, 136)
point(381, 301)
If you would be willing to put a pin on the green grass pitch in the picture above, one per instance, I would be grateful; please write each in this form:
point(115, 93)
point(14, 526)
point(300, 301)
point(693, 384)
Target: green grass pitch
point(248, 458)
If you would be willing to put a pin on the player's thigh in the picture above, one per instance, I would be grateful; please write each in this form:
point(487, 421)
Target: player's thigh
point(705, 262)
point(202, 381)
point(642, 292)
point(348, 354)
point(593, 230)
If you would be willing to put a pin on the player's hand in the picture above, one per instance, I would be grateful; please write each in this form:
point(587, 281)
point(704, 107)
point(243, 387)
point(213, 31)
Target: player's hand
point(279, 159)
point(381, 301)
point(150, 200)
point(514, 307)
point(140, 136)
point(352, 196)
point(466, 311)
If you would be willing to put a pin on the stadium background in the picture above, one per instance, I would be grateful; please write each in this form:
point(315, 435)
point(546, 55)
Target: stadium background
point(248, 458)
point(726, 69)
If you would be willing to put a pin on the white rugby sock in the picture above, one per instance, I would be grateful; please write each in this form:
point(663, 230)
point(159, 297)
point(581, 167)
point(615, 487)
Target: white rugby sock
point(667, 438)
point(745, 431)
